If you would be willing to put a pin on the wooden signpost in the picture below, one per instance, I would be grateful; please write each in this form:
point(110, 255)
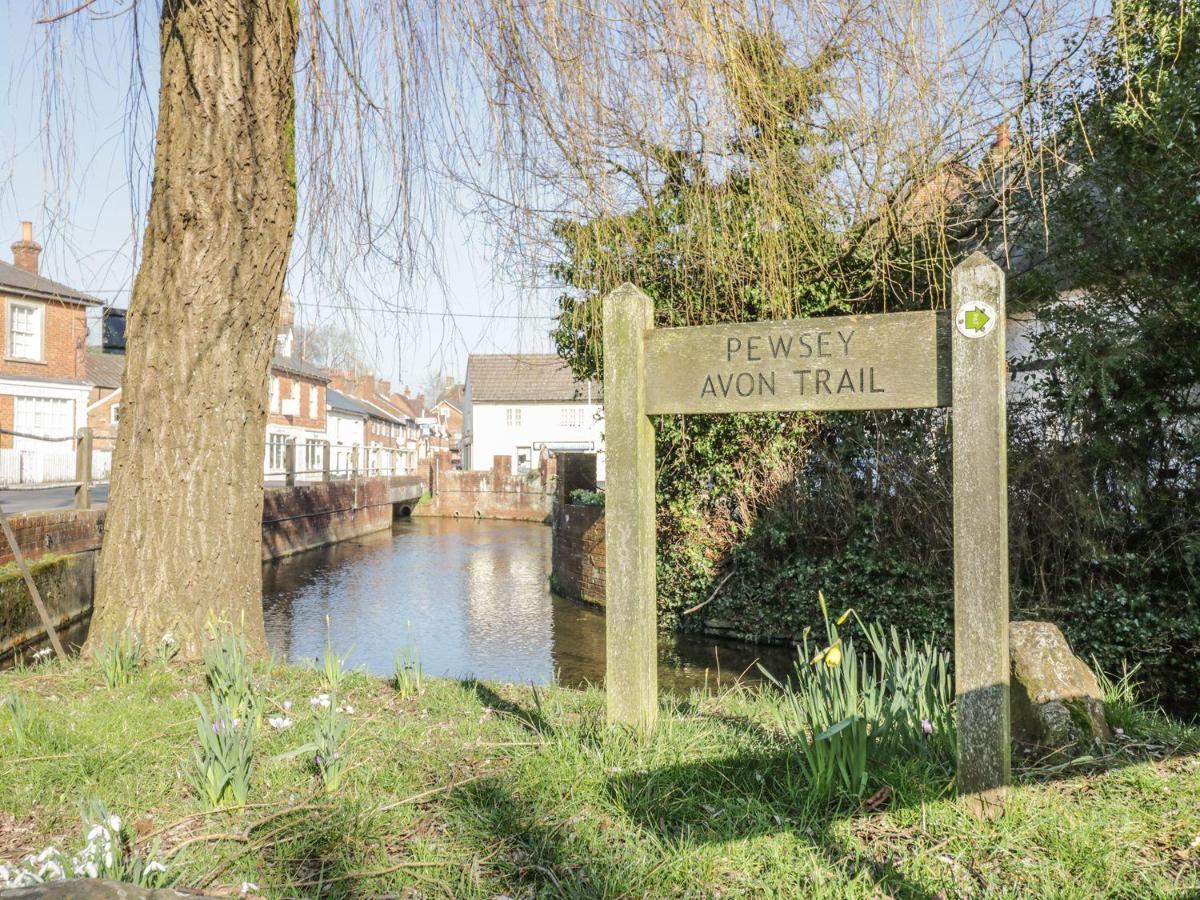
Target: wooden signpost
point(885, 361)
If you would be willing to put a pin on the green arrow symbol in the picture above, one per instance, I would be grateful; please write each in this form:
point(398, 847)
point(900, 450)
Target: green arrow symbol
point(976, 319)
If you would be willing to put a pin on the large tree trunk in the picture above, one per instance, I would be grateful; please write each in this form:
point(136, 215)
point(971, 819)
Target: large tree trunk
point(183, 534)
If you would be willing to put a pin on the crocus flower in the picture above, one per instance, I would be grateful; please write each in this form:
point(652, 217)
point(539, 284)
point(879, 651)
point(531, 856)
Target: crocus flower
point(926, 727)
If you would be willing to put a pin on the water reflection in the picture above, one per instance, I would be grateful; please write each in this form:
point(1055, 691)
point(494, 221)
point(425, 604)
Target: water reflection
point(474, 598)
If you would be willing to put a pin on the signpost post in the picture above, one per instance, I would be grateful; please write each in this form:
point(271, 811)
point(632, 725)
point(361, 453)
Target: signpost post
point(886, 361)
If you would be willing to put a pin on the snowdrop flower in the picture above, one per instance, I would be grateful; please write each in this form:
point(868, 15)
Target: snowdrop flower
point(348, 710)
point(114, 823)
point(154, 868)
point(42, 654)
point(926, 727)
point(167, 638)
point(287, 705)
point(321, 700)
point(279, 723)
point(248, 886)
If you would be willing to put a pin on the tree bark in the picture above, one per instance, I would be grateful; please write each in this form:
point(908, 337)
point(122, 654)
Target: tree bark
point(183, 534)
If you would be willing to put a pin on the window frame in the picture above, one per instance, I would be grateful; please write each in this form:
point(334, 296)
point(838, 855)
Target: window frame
point(39, 309)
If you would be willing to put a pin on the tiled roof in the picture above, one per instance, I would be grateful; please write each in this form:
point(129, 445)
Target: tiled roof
point(527, 377)
point(454, 395)
point(107, 369)
point(378, 410)
point(104, 369)
point(15, 280)
point(291, 365)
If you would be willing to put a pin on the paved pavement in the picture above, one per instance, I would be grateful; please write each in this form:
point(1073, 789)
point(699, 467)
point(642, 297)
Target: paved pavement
point(24, 500)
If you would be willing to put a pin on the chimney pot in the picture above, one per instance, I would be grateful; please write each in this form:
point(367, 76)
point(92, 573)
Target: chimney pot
point(26, 251)
point(1003, 141)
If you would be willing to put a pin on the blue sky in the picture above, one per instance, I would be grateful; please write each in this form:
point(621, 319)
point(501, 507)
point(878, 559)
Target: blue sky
point(66, 164)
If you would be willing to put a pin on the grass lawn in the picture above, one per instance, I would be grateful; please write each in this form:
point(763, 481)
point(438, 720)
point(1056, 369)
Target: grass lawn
point(479, 790)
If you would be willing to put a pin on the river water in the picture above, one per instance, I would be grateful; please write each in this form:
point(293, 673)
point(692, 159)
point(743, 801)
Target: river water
point(473, 597)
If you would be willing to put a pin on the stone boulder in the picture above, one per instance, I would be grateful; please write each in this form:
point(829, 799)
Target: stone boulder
point(1055, 701)
point(89, 889)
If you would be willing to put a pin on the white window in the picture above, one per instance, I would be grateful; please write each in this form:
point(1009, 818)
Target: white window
point(312, 455)
point(277, 452)
point(25, 321)
point(274, 394)
point(572, 417)
point(43, 416)
point(312, 401)
point(512, 417)
point(115, 414)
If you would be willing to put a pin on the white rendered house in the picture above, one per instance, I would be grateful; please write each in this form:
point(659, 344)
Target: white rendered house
point(525, 405)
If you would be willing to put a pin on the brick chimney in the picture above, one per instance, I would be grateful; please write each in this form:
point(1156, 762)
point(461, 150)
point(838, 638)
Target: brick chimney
point(26, 251)
point(1003, 141)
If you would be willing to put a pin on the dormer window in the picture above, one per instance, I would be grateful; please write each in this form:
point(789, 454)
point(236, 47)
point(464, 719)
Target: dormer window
point(26, 330)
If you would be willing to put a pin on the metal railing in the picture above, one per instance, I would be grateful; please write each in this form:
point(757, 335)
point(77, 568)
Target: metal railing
point(327, 461)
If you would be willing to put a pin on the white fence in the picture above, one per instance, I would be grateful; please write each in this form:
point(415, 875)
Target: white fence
point(49, 466)
point(307, 457)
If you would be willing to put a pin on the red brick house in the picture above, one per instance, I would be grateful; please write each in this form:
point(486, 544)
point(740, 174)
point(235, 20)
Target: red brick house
point(387, 427)
point(447, 410)
point(296, 407)
point(105, 373)
point(44, 391)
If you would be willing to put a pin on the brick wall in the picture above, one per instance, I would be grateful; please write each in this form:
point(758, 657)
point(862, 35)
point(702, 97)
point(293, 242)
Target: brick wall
point(313, 515)
point(7, 420)
point(492, 494)
point(303, 420)
point(65, 331)
point(294, 519)
point(578, 567)
point(59, 532)
point(99, 417)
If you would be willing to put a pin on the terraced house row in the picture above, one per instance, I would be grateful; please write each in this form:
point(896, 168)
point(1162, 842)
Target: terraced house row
point(52, 384)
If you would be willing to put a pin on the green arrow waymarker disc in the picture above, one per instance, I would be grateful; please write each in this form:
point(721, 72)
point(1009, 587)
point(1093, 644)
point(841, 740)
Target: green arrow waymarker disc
point(975, 319)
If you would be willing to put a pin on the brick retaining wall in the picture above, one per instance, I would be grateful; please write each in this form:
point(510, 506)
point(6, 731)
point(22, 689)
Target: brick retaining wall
point(313, 515)
point(59, 532)
point(494, 493)
point(578, 566)
point(294, 519)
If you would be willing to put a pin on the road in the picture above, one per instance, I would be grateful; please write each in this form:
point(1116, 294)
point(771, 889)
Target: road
point(38, 499)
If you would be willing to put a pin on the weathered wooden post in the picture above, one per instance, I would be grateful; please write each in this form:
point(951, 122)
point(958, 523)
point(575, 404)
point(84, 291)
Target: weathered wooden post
point(83, 468)
point(326, 463)
point(981, 662)
point(289, 464)
point(630, 611)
